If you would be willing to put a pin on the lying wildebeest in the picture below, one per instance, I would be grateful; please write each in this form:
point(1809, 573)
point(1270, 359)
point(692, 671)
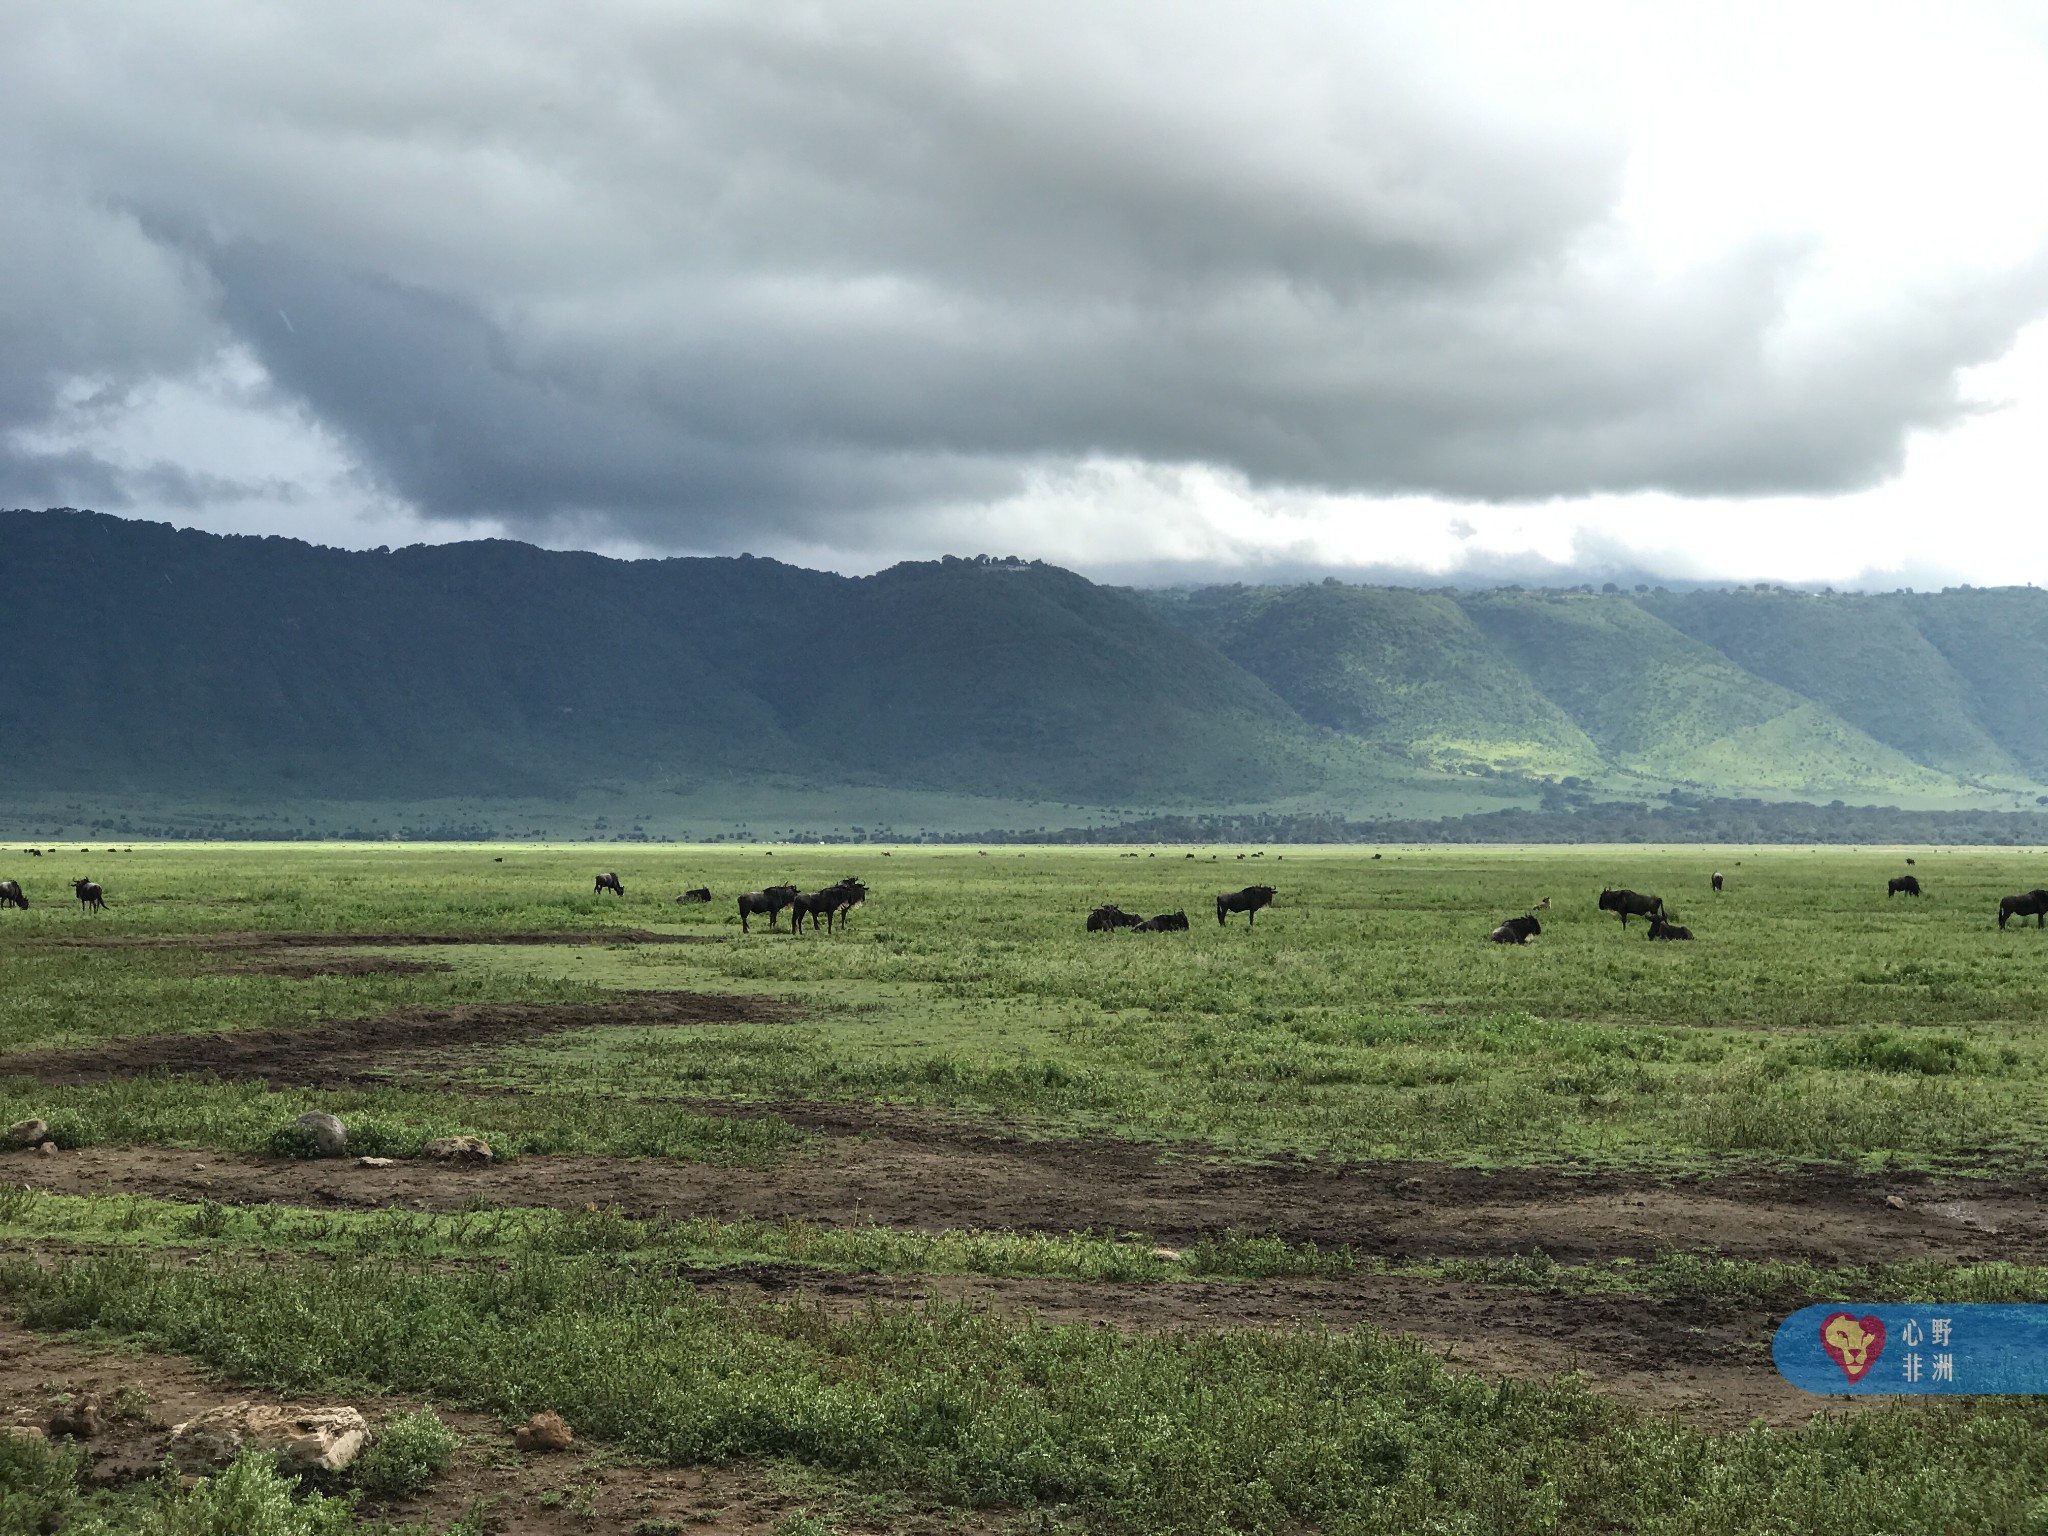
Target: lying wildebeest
point(771, 901)
point(1516, 930)
point(1249, 901)
point(835, 900)
point(1660, 929)
point(1165, 922)
point(89, 895)
point(701, 893)
point(608, 882)
point(1905, 885)
point(1717, 882)
point(1629, 903)
point(35, 853)
point(10, 895)
point(2034, 904)
point(1109, 918)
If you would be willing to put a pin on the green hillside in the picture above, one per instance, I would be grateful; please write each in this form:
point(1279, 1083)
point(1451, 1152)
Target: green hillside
point(1864, 658)
point(1997, 641)
point(1658, 703)
point(1407, 671)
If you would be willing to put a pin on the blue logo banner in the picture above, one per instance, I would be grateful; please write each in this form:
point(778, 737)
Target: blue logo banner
point(1845, 1347)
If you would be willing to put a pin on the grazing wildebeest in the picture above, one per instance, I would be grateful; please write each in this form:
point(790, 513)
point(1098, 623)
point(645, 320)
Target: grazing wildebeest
point(1109, 918)
point(10, 895)
point(1717, 882)
point(1516, 930)
point(609, 882)
point(35, 853)
point(771, 901)
point(1165, 922)
point(1629, 903)
point(2034, 904)
point(1905, 885)
point(89, 894)
point(1249, 901)
point(1660, 929)
point(701, 893)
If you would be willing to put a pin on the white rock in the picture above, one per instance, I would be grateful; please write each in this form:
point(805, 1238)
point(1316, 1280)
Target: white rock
point(28, 1133)
point(457, 1149)
point(376, 1162)
point(306, 1439)
point(329, 1135)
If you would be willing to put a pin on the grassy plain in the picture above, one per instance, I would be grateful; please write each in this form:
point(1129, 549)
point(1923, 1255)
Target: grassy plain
point(964, 1017)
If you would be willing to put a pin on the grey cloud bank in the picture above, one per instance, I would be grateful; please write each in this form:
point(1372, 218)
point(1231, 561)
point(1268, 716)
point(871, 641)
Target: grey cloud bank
point(679, 275)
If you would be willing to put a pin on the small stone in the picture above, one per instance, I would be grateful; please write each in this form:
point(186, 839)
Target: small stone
point(376, 1162)
point(48, 1149)
point(457, 1149)
point(1895, 1202)
point(328, 1135)
point(81, 1421)
point(28, 1133)
point(1171, 1255)
point(543, 1432)
point(23, 1431)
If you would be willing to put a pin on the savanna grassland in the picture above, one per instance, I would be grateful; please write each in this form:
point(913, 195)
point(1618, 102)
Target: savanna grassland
point(963, 1218)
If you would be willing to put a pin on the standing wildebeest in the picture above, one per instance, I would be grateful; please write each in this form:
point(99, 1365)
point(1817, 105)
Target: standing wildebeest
point(89, 895)
point(609, 882)
point(835, 900)
point(1249, 901)
point(1660, 929)
point(1717, 882)
point(701, 893)
point(1629, 904)
point(1905, 885)
point(2034, 904)
point(771, 901)
point(10, 895)
point(1165, 922)
point(1516, 930)
point(1109, 918)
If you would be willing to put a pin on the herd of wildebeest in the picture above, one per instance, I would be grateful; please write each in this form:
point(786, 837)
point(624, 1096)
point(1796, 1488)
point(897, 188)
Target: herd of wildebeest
point(836, 902)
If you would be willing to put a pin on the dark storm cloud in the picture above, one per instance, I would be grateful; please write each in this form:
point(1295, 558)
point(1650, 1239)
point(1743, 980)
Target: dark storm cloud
point(681, 270)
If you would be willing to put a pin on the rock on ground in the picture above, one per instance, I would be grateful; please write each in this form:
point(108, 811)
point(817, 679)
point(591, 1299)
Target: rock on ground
point(329, 1135)
point(543, 1432)
point(28, 1133)
point(457, 1149)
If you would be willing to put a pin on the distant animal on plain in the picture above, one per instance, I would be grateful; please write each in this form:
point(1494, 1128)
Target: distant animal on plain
point(1542, 906)
point(499, 860)
point(1660, 929)
point(1905, 885)
point(89, 895)
point(1375, 855)
point(701, 893)
point(1516, 930)
point(608, 882)
point(2033, 904)
point(771, 901)
point(1909, 861)
point(1165, 922)
point(1717, 882)
point(35, 853)
point(1250, 901)
point(1630, 904)
point(10, 895)
point(1110, 917)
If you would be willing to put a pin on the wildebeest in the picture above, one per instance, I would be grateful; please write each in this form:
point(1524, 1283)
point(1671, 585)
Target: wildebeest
point(1909, 861)
point(1629, 903)
point(1660, 929)
point(1516, 930)
point(2033, 904)
point(609, 882)
point(1905, 885)
point(1165, 922)
point(1717, 882)
point(1110, 917)
point(771, 901)
point(1249, 901)
point(836, 899)
point(701, 893)
point(89, 894)
point(35, 853)
point(10, 895)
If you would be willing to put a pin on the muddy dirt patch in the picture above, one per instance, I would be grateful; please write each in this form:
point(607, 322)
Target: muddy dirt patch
point(1400, 1212)
point(335, 965)
point(350, 1051)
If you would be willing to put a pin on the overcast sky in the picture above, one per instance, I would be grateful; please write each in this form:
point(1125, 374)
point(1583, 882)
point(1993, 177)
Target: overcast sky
point(1158, 291)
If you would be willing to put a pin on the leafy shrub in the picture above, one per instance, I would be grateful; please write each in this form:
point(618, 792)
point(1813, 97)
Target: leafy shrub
point(38, 1484)
point(409, 1452)
point(248, 1499)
